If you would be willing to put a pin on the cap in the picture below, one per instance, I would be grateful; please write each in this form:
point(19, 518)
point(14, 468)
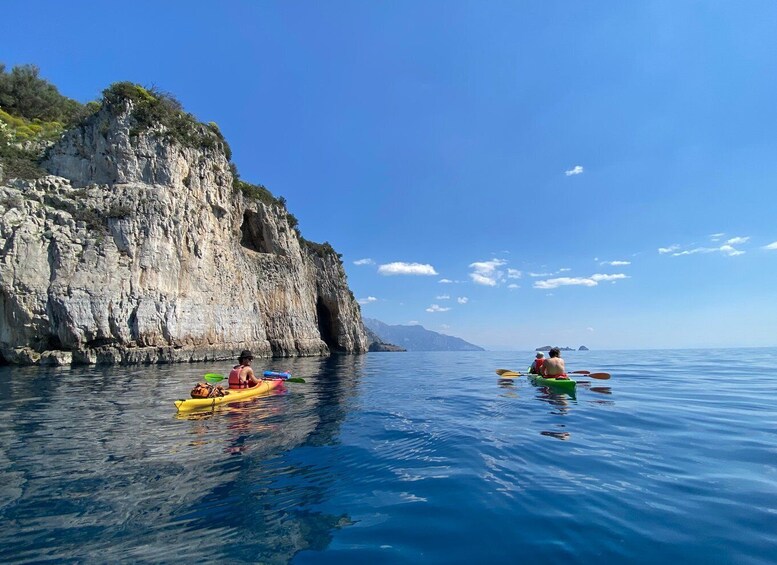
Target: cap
point(245, 354)
point(540, 354)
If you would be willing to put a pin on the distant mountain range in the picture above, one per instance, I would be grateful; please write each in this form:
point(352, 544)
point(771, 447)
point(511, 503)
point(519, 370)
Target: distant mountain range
point(417, 338)
point(377, 344)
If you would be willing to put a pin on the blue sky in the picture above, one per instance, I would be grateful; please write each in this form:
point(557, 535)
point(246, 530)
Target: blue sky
point(598, 173)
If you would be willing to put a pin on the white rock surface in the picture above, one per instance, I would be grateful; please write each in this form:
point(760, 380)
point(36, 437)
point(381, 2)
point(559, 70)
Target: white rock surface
point(139, 250)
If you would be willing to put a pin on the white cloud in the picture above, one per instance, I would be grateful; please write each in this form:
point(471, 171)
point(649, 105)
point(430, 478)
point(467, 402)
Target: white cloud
point(444, 327)
point(576, 170)
point(600, 278)
point(615, 263)
point(513, 274)
point(365, 261)
point(462, 300)
point(730, 251)
point(593, 280)
point(771, 246)
point(487, 273)
point(437, 308)
point(727, 248)
point(513, 286)
point(442, 297)
point(564, 281)
point(400, 268)
point(445, 281)
point(414, 323)
point(716, 236)
point(564, 270)
point(367, 300)
point(540, 274)
point(589, 329)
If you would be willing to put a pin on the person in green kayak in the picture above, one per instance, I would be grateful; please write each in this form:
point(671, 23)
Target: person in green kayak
point(537, 364)
point(554, 367)
point(242, 375)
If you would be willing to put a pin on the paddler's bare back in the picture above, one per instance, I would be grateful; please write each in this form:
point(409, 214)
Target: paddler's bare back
point(554, 365)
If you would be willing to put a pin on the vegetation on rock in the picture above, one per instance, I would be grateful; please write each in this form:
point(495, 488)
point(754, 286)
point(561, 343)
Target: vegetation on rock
point(33, 114)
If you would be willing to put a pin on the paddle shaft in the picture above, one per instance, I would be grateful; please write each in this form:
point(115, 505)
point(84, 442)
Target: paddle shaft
point(508, 374)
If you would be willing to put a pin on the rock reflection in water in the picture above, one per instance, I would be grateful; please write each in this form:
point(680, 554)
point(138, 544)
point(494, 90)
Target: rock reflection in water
point(98, 462)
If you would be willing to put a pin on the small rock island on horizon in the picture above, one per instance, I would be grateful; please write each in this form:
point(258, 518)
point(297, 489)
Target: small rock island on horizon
point(548, 348)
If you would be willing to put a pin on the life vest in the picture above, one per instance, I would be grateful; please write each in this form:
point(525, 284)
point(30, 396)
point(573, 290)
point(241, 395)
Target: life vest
point(536, 365)
point(234, 378)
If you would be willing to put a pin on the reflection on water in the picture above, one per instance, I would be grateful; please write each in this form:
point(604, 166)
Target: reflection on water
point(557, 435)
point(393, 458)
point(561, 402)
point(71, 447)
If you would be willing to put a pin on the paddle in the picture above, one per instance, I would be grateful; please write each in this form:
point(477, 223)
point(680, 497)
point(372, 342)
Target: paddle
point(507, 373)
point(602, 376)
point(213, 378)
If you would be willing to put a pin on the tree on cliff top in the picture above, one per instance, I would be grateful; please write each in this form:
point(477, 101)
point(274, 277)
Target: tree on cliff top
point(25, 94)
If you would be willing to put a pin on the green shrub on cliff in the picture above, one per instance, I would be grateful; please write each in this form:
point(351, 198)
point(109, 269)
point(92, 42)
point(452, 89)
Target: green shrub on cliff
point(152, 108)
point(321, 249)
point(32, 114)
point(24, 94)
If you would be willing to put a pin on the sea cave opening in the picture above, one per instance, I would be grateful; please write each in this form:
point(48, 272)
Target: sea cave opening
point(326, 325)
point(252, 234)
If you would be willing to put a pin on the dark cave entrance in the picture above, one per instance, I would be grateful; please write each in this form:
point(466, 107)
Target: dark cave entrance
point(253, 236)
point(326, 326)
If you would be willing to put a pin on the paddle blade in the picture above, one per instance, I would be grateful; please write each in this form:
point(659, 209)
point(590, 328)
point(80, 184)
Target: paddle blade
point(502, 371)
point(602, 376)
point(295, 380)
point(509, 374)
point(213, 378)
point(579, 372)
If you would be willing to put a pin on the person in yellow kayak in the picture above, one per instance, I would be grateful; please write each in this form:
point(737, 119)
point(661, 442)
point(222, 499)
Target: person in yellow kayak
point(242, 375)
point(554, 367)
point(537, 364)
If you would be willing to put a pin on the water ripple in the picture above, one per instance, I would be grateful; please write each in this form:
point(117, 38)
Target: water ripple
point(397, 458)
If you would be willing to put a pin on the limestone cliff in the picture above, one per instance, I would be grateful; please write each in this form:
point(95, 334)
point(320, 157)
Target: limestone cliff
point(140, 247)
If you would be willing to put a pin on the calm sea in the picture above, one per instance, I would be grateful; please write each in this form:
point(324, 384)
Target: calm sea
point(397, 458)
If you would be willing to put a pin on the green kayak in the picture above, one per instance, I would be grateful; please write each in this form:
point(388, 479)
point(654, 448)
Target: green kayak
point(539, 380)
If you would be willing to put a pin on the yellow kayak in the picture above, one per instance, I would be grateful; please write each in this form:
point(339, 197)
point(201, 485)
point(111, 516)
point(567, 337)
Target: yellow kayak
point(185, 405)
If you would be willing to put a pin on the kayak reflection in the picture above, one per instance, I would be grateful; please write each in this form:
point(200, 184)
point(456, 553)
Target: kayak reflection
point(561, 402)
point(558, 435)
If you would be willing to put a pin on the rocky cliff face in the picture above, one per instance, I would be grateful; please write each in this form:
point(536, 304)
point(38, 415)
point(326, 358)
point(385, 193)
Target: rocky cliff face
point(137, 249)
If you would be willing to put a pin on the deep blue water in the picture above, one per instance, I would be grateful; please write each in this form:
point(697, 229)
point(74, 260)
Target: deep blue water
point(397, 457)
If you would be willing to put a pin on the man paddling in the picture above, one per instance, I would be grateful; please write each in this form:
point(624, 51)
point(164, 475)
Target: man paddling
point(554, 367)
point(242, 375)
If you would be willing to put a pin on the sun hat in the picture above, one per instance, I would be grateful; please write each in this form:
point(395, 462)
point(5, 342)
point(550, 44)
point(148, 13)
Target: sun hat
point(540, 354)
